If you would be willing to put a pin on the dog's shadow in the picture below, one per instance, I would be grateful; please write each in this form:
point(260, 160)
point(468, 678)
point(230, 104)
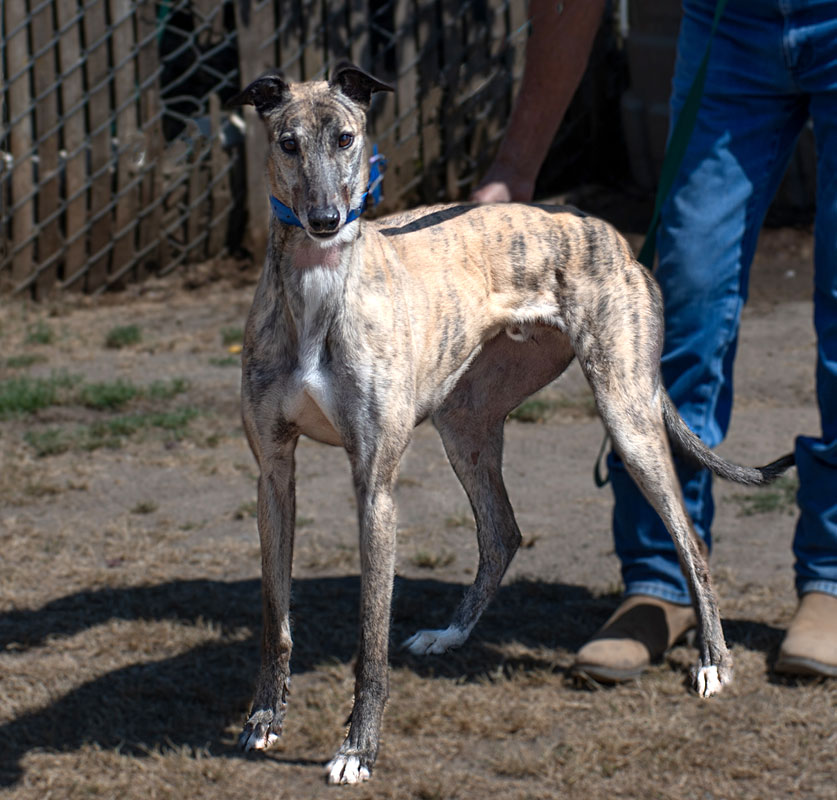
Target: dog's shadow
point(192, 699)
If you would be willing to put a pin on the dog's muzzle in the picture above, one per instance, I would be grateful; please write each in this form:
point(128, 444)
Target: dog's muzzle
point(323, 219)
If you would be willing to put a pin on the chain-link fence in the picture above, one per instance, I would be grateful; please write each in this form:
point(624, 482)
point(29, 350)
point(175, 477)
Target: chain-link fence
point(119, 159)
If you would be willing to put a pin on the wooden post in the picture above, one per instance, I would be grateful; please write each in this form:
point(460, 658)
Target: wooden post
point(405, 150)
point(313, 45)
point(337, 33)
point(98, 82)
point(198, 221)
point(210, 24)
point(126, 201)
point(452, 126)
point(255, 58)
point(46, 129)
point(150, 123)
point(359, 33)
point(429, 44)
point(20, 141)
point(220, 192)
point(75, 142)
point(127, 138)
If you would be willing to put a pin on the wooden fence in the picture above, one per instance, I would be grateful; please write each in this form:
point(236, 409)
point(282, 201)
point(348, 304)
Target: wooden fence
point(92, 194)
point(118, 158)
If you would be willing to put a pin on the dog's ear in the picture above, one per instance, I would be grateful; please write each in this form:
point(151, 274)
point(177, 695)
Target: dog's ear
point(265, 93)
point(356, 84)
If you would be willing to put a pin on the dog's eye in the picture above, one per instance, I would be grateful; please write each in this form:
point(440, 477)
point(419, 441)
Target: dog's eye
point(345, 139)
point(288, 145)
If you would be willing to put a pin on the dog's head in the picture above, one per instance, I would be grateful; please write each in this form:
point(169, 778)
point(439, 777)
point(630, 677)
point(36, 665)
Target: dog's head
point(317, 164)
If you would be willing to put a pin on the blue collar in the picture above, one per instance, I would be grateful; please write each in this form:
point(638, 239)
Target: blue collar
point(372, 195)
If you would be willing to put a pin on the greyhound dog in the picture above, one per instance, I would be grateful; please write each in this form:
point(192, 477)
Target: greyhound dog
point(360, 330)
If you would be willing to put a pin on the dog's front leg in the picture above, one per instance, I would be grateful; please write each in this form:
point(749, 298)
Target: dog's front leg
point(277, 512)
point(354, 760)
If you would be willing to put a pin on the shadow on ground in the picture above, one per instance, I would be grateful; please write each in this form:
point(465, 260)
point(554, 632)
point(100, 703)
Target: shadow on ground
point(190, 699)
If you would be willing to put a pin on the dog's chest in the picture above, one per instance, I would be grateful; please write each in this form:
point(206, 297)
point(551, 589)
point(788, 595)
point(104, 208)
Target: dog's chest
point(309, 399)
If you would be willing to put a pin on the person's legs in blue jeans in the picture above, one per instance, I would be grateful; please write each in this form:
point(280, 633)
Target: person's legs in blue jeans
point(815, 543)
point(810, 646)
point(752, 110)
point(749, 119)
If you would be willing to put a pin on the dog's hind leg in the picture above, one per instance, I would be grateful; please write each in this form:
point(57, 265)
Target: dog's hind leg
point(276, 519)
point(471, 426)
point(638, 433)
point(475, 451)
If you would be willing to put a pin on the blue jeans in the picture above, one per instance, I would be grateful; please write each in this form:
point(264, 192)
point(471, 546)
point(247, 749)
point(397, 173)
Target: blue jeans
point(773, 64)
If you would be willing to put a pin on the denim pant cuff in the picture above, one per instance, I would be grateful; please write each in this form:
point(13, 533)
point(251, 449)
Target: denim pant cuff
point(805, 585)
point(660, 591)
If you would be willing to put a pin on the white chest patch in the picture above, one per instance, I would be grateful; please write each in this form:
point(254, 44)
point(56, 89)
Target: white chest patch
point(321, 288)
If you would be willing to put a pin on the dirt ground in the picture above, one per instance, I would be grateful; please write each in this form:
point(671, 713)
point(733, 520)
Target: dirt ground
point(129, 581)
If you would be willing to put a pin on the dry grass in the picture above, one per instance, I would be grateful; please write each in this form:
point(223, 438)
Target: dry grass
point(131, 613)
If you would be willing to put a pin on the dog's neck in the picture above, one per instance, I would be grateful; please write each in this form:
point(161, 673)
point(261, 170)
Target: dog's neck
point(297, 252)
point(308, 277)
point(308, 255)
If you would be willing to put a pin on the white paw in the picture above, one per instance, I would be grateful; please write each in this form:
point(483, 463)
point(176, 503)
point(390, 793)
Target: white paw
point(346, 769)
point(708, 681)
point(257, 740)
point(425, 642)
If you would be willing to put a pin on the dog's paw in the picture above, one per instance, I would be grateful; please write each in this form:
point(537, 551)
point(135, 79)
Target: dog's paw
point(345, 769)
point(261, 731)
point(425, 642)
point(710, 680)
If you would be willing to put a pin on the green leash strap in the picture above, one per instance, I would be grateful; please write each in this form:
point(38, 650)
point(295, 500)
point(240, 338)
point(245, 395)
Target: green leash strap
point(678, 143)
point(675, 151)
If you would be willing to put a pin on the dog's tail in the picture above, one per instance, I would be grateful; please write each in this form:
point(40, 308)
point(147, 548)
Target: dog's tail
point(690, 447)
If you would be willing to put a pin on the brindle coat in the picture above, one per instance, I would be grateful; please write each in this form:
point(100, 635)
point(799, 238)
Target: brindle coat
point(361, 330)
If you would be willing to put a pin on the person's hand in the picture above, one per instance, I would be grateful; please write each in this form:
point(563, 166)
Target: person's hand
point(502, 185)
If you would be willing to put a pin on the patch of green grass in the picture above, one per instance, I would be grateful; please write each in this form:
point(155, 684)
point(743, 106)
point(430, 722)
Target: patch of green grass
point(26, 360)
point(172, 421)
point(227, 361)
point(109, 433)
point(25, 395)
point(779, 497)
point(540, 409)
point(107, 395)
point(428, 560)
point(165, 390)
point(231, 336)
point(51, 442)
point(39, 333)
point(123, 336)
point(533, 410)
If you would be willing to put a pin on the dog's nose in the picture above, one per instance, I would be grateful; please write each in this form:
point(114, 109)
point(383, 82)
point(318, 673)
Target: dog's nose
point(323, 219)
